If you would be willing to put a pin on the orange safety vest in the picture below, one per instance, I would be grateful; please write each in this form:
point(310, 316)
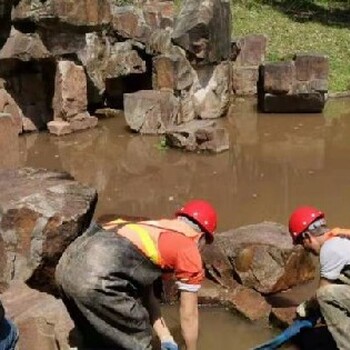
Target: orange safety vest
point(146, 238)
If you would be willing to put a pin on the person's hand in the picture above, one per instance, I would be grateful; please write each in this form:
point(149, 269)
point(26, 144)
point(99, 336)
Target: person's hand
point(168, 343)
point(307, 308)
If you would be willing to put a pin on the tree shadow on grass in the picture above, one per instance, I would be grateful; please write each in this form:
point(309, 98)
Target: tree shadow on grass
point(331, 13)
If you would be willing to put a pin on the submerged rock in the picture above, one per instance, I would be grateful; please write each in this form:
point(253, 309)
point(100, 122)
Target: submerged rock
point(198, 135)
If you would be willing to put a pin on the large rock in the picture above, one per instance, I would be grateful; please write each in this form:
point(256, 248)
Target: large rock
point(42, 212)
point(104, 60)
point(212, 99)
point(70, 96)
point(129, 23)
point(84, 14)
point(198, 135)
point(203, 29)
point(42, 319)
point(23, 47)
point(150, 111)
point(264, 258)
point(172, 71)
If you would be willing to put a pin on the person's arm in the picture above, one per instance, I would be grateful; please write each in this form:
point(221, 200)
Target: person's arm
point(189, 318)
point(152, 305)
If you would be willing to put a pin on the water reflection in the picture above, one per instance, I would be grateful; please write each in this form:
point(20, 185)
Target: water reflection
point(275, 163)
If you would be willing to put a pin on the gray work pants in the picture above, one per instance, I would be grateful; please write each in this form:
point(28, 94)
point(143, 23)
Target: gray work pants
point(102, 277)
point(334, 301)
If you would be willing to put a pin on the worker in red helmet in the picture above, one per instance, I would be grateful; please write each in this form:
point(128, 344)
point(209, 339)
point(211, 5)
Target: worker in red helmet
point(307, 226)
point(106, 278)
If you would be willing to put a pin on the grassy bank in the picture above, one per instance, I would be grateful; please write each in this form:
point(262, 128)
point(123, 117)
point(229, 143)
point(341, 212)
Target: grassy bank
point(300, 26)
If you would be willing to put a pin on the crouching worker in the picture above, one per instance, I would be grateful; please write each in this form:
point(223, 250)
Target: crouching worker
point(307, 227)
point(106, 278)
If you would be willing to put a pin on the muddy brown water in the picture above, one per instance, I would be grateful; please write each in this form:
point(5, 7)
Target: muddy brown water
point(275, 163)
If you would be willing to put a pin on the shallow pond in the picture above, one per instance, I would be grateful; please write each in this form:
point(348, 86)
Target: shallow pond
point(275, 163)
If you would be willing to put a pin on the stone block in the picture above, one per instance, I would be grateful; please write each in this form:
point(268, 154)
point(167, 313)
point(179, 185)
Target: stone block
point(59, 127)
point(278, 77)
point(70, 97)
point(299, 103)
point(251, 50)
point(150, 111)
point(244, 80)
point(311, 66)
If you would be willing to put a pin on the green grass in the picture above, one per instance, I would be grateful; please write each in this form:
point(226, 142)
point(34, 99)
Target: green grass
point(300, 26)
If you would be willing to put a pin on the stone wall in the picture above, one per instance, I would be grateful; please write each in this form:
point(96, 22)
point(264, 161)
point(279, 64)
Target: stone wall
point(295, 86)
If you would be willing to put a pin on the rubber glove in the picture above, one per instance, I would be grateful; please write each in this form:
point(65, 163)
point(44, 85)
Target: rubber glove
point(168, 343)
point(307, 308)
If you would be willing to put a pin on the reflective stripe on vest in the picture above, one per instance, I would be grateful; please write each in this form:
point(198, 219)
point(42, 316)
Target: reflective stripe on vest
point(147, 241)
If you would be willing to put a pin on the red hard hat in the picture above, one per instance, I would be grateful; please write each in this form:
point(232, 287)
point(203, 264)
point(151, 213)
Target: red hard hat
point(202, 213)
point(301, 219)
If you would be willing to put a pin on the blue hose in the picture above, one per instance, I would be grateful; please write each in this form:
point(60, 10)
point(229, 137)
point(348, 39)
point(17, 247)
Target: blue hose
point(287, 334)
